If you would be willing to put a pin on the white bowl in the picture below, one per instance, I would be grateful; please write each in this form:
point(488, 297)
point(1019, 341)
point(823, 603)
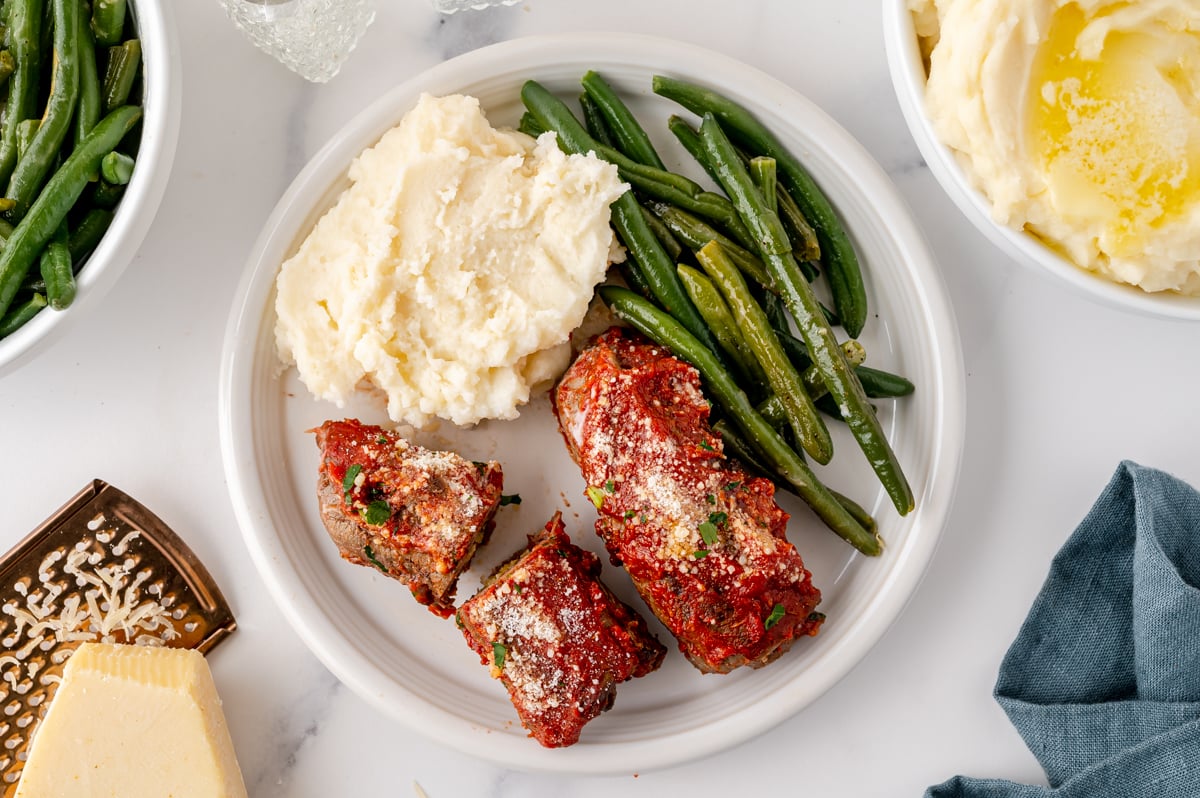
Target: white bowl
point(160, 131)
point(400, 658)
point(908, 77)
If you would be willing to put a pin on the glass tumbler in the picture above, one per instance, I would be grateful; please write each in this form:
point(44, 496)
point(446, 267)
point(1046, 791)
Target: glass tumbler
point(310, 37)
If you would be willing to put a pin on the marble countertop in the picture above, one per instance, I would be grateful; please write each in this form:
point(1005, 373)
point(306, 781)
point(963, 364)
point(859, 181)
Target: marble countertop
point(1059, 391)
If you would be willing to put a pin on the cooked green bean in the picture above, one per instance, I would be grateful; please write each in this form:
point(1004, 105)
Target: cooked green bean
point(57, 272)
point(108, 21)
point(841, 262)
point(124, 62)
point(657, 267)
point(530, 126)
point(689, 139)
point(39, 159)
point(55, 200)
point(882, 384)
point(106, 195)
point(627, 134)
point(806, 311)
point(762, 172)
point(593, 120)
point(666, 331)
point(805, 243)
point(20, 314)
point(24, 34)
point(6, 66)
point(117, 168)
point(716, 314)
point(695, 233)
point(84, 236)
point(663, 234)
point(87, 113)
point(772, 407)
point(783, 379)
point(26, 130)
point(702, 203)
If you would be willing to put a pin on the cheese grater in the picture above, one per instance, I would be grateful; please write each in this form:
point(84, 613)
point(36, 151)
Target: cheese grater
point(103, 568)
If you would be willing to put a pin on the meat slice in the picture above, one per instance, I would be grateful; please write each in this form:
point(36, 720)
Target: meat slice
point(703, 541)
point(416, 514)
point(556, 636)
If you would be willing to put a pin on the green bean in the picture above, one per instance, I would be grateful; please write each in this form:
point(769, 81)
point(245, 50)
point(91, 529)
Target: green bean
point(695, 233)
point(806, 311)
point(55, 200)
point(124, 61)
point(627, 134)
point(633, 277)
point(772, 407)
point(87, 114)
point(7, 65)
point(11, 320)
point(84, 236)
point(804, 239)
point(670, 244)
point(841, 262)
point(657, 267)
point(703, 203)
point(783, 379)
point(26, 130)
point(716, 314)
point(881, 384)
point(593, 120)
point(117, 168)
point(666, 331)
point(106, 195)
point(57, 273)
point(108, 21)
point(530, 126)
point(762, 172)
point(689, 139)
point(35, 165)
point(741, 450)
point(24, 29)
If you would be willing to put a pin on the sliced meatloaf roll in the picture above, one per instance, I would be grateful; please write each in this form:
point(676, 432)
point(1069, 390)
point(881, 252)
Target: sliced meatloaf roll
point(415, 514)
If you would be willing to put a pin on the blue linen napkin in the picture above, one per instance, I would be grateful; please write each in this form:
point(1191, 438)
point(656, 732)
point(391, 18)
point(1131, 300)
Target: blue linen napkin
point(1103, 680)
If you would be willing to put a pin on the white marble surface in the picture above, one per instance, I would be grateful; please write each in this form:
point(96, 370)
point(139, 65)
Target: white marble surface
point(1059, 391)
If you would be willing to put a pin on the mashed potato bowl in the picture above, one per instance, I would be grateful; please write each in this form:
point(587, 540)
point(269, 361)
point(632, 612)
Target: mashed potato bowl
point(909, 78)
point(162, 105)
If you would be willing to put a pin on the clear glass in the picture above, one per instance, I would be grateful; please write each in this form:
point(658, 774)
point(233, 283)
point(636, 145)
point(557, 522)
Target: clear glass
point(450, 6)
point(310, 37)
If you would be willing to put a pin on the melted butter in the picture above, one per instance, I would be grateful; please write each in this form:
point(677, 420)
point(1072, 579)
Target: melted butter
point(1118, 137)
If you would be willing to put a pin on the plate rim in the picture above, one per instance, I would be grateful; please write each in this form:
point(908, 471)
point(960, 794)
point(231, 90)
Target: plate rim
point(298, 606)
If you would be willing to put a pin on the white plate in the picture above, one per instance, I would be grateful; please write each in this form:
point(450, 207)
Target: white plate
point(402, 659)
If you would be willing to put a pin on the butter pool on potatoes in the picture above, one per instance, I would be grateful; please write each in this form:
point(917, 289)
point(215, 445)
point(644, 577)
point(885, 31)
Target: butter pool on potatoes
point(1080, 120)
point(452, 271)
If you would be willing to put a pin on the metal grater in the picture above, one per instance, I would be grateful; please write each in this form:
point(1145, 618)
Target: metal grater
point(102, 568)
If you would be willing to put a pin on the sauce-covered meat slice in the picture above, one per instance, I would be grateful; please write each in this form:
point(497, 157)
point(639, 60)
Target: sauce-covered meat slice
point(416, 514)
point(703, 541)
point(556, 636)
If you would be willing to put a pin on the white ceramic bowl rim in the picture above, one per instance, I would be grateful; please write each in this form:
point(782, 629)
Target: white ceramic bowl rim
point(908, 77)
point(160, 133)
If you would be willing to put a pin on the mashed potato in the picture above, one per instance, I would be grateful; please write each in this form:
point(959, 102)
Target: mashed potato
point(1080, 120)
point(451, 273)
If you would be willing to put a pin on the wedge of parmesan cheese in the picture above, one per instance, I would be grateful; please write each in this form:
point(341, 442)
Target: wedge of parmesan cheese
point(133, 722)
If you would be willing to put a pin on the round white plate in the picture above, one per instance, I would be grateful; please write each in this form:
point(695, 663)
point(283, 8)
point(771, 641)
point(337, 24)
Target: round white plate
point(404, 660)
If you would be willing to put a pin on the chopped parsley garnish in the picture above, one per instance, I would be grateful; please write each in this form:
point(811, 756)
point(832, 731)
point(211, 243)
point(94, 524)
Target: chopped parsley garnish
point(381, 440)
point(630, 514)
point(700, 554)
point(518, 587)
point(777, 613)
point(514, 498)
point(499, 652)
point(711, 499)
point(348, 481)
point(371, 557)
point(596, 495)
point(377, 513)
point(706, 446)
point(708, 532)
point(717, 518)
point(816, 617)
point(609, 487)
point(732, 486)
